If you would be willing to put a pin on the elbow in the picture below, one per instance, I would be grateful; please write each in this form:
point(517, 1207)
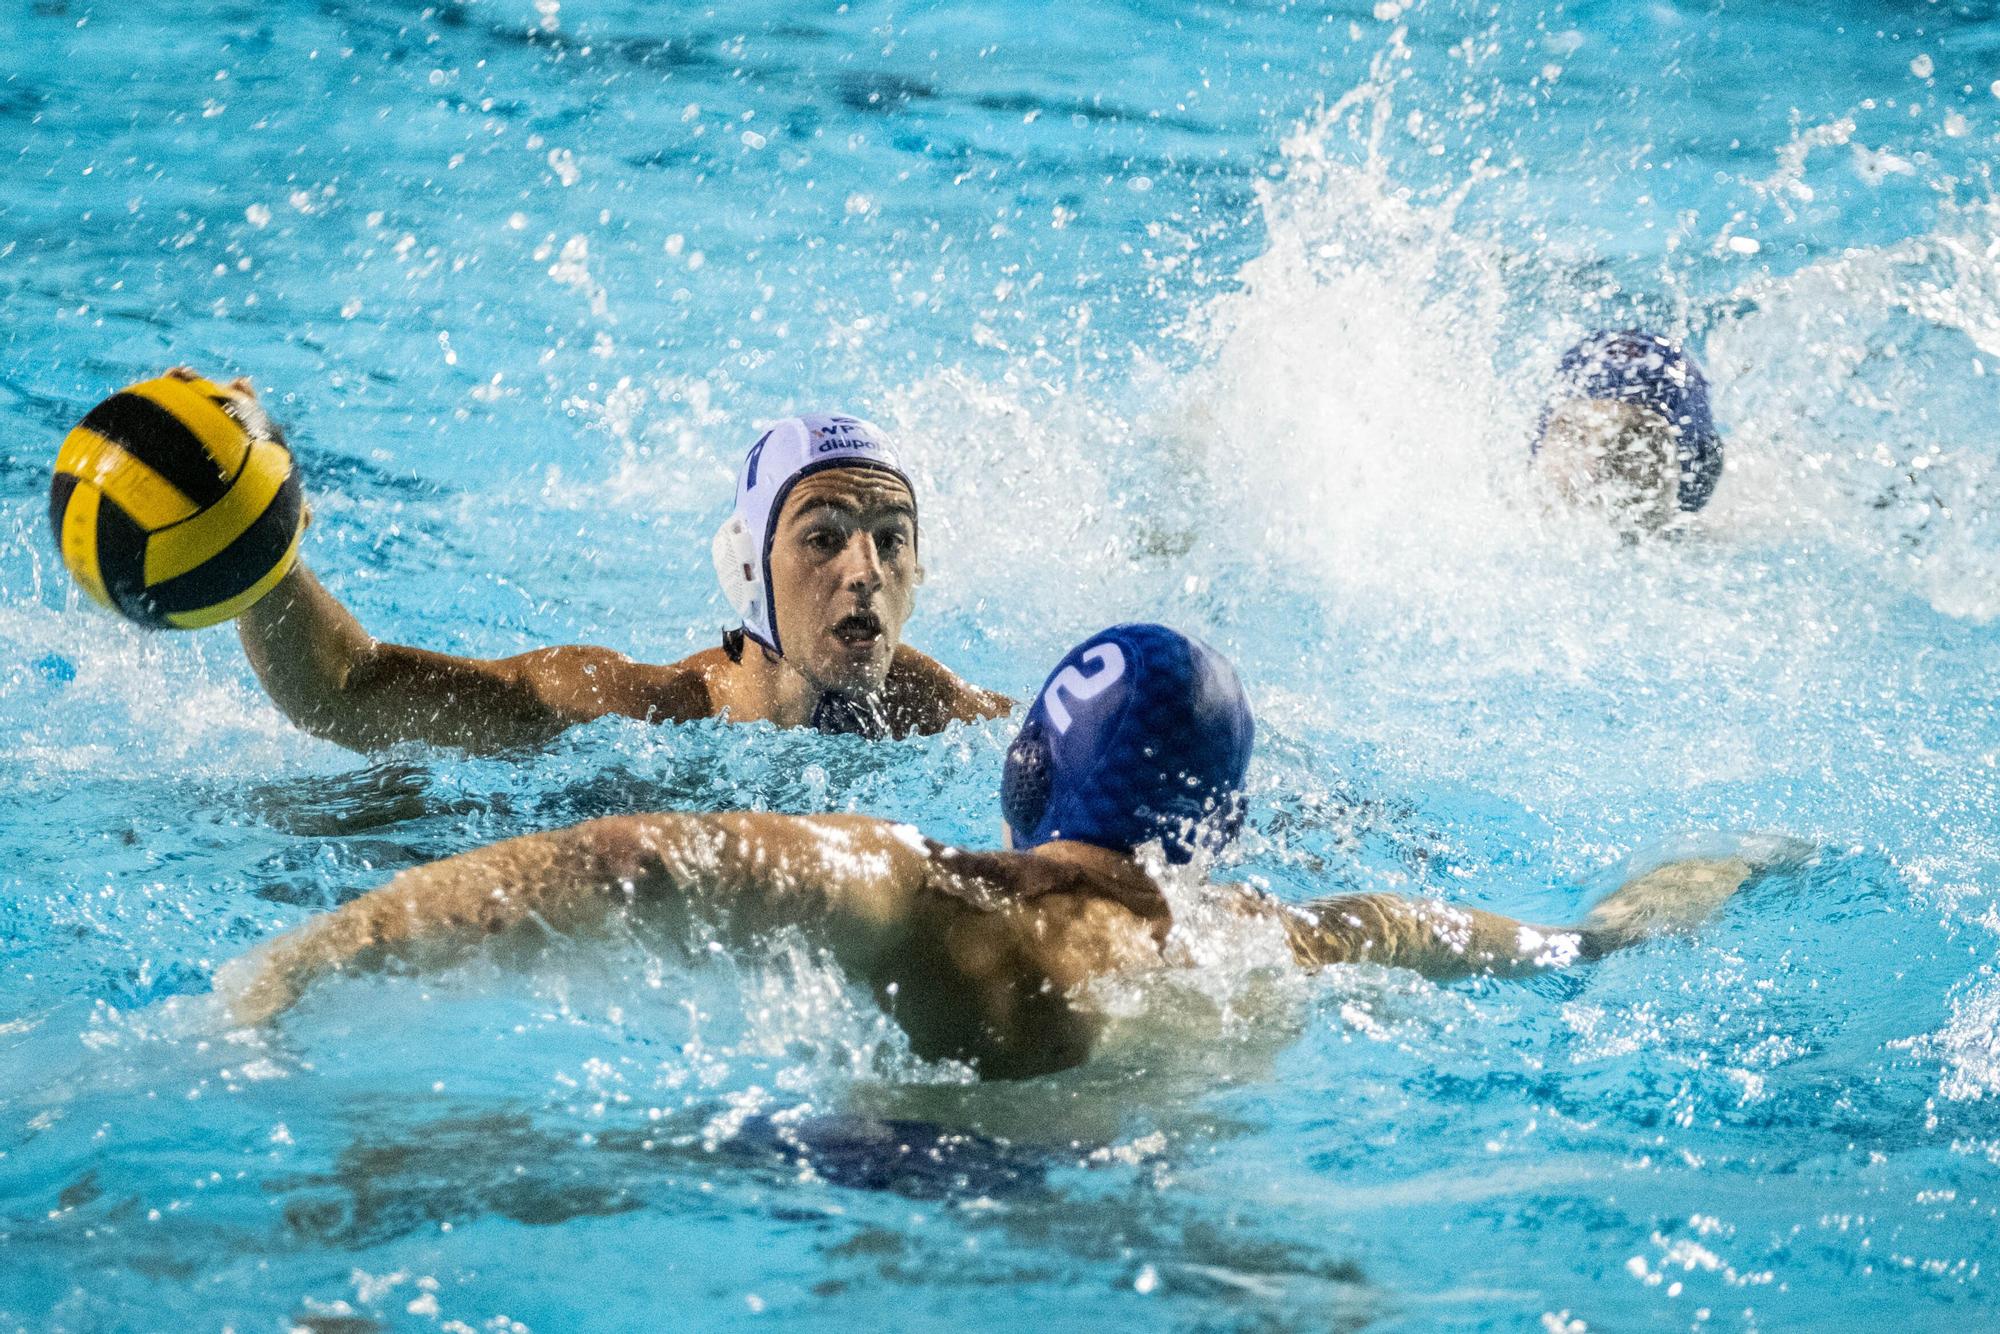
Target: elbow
point(328, 724)
point(337, 720)
point(324, 699)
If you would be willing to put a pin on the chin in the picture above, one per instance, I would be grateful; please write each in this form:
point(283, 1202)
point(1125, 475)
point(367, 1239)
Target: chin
point(849, 677)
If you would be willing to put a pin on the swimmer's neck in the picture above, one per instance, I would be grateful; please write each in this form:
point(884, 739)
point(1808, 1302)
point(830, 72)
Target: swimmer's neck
point(770, 689)
point(1088, 857)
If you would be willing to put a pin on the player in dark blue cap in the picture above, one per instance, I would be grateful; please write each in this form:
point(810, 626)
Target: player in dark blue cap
point(1141, 733)
point(1627, 430)
point(1140, 738)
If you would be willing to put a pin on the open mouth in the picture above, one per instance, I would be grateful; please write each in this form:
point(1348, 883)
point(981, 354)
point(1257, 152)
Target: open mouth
point(858, 628)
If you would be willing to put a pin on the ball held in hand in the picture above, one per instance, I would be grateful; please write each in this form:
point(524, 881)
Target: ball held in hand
point(175, 503)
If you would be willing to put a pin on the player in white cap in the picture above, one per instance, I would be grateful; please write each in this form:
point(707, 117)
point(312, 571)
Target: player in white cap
point(819, 560)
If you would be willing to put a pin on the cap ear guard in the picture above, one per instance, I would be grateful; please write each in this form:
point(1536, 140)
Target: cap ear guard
point(736, 557)
point(1025, 785)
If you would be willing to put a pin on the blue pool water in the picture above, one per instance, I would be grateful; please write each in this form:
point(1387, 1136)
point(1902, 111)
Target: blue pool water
point(1225, 315)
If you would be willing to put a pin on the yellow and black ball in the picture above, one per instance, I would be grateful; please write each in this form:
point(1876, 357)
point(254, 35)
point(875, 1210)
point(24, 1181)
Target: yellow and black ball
point(175, 503)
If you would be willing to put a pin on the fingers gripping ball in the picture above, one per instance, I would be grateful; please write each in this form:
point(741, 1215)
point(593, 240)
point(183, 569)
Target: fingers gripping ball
point(175, 503)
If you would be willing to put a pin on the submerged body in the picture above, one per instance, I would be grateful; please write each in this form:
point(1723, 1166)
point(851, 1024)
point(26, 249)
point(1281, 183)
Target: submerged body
point(1141, 736)
point(983, 957)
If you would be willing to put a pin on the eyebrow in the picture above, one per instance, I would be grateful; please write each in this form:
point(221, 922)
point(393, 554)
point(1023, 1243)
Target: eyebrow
point(902, 508)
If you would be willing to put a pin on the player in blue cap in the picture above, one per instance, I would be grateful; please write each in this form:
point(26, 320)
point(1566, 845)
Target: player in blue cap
point(818, 560)
point(1139, 739)
point(1627, 431)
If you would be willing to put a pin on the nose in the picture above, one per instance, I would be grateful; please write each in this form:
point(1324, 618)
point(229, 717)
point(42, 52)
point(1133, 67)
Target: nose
point(861, 565)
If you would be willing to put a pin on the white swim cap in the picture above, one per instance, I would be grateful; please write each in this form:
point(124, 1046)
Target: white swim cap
point(794, 448)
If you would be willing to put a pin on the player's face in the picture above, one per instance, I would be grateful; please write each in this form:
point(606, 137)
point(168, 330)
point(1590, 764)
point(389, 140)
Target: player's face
point(1617, 459)
point(844, 575)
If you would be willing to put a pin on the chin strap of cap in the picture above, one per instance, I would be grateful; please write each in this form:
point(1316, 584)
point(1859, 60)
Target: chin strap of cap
point(842, 714)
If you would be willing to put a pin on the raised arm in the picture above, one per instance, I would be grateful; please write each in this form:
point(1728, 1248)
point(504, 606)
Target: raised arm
point(335, 680)
point(1442, 940)
point(849, 880)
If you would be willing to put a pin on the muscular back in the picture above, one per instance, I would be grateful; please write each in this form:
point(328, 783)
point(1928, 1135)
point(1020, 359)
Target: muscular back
point(997, 948)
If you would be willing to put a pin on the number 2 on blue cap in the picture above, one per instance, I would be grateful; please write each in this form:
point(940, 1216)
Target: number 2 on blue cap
point(1110, 662)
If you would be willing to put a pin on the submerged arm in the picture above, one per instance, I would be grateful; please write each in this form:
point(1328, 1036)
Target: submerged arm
point(847, 879)
point(1445, 941)
point(335, 680)
point(1669, 900)
point(1438, 939)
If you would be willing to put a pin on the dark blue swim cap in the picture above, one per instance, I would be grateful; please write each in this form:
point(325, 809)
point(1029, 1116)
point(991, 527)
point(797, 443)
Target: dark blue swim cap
point(1139, 733)
point(1652, 372)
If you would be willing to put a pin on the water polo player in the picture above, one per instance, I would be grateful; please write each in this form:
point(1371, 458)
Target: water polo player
point(819, 559)
point(1141, 737)
point(1627, 431)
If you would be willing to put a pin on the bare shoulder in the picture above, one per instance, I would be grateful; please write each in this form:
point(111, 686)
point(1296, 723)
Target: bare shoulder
point(1074, 920)
point(926, 696)
point(582, 682)
point(690, 688)
point(766, 843)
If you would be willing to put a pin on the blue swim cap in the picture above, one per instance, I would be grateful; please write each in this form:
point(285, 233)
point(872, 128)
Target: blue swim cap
point(1652, 372)
point(1139, 733)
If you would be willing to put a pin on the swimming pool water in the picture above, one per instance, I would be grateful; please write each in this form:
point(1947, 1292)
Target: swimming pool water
point(1224, 315)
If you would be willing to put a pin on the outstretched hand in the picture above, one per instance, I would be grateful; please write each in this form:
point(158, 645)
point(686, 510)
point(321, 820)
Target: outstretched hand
point(1668, 900)
point(1681, 895)
point(254, 409)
